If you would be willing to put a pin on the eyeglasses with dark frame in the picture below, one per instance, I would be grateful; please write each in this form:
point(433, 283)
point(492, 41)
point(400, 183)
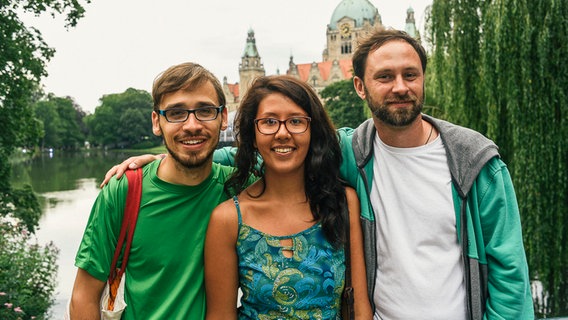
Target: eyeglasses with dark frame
point(292, 124)
point(177, 115)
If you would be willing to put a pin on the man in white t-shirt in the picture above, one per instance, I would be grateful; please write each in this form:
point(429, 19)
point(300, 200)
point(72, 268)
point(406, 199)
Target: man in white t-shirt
point(440, 218)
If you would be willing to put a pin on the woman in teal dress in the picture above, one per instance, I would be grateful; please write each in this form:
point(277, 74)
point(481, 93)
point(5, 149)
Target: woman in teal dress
point(281, 239)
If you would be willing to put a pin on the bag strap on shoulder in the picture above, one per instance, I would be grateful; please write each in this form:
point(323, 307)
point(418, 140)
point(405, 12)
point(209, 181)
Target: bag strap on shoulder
point(128, 222)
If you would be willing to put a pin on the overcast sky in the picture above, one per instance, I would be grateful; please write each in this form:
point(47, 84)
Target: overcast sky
point(125, 43)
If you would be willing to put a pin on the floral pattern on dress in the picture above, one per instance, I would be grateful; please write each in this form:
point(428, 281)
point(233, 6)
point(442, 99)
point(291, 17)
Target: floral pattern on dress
point(308, 285)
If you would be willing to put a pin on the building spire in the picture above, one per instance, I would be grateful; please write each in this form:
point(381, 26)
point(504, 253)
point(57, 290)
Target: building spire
point(250, 47)
point(410, 26)
point(251, 66)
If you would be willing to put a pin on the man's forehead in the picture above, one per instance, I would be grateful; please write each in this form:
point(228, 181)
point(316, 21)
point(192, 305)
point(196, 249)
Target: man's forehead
point(391, 44)
point(203, 94)
point(394, 52)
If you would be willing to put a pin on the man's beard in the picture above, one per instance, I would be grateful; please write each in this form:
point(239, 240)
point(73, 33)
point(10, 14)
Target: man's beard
point(399, 117)
point(192, 161)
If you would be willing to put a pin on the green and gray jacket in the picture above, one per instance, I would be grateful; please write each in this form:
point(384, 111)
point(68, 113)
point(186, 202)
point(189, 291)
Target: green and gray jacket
point(496, 272)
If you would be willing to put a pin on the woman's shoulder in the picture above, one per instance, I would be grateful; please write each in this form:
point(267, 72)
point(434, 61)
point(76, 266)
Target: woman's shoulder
point(225, 212)
point(226, 205)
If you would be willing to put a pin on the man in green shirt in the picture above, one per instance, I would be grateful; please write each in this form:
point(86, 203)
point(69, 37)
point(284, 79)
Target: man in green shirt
point(164, 275)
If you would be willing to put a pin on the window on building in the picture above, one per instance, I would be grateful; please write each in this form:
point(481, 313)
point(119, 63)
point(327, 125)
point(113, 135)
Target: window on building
point(346, 48)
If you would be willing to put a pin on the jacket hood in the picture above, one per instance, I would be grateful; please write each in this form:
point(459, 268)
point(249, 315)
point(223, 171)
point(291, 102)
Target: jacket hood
point(467, 150)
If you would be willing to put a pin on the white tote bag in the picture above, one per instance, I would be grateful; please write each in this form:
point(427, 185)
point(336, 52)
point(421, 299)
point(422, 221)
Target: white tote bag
point(119, 303)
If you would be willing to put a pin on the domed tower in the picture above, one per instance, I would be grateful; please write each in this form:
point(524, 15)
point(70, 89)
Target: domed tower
point(410, 26)
point(250, 67)
point(350, 20)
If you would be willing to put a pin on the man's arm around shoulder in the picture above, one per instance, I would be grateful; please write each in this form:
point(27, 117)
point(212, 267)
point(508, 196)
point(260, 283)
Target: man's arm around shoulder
point(86, 296)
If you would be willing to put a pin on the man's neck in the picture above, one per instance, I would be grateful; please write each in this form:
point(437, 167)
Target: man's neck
point(174, 172)
point(413, 135)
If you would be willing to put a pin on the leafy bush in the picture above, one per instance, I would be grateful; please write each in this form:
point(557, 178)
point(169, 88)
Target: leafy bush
point(28, 273)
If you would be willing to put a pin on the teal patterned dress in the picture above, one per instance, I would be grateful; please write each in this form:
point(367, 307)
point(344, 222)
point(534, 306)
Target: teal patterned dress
point(307, 285)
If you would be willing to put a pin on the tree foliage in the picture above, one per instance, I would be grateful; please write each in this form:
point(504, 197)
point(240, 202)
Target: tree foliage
point(122, 119)
point(62, 123)
point(27, 271)
point(343, 105)
point(23, 58)
point(499, 67)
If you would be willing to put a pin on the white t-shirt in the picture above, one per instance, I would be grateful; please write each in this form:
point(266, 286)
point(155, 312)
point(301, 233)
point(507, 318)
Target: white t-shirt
point(420, 271)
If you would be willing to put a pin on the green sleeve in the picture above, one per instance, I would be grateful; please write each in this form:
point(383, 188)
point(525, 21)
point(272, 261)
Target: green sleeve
point(225, 156)
point(508, 276)
point(348, 169)
point(101, 233)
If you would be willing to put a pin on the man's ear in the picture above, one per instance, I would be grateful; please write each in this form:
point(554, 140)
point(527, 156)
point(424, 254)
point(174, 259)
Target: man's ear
point(156, 129)
point(359, 87)
point(224, 119)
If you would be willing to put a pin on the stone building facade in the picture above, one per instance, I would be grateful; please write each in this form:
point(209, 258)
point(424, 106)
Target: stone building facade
point(350, 21)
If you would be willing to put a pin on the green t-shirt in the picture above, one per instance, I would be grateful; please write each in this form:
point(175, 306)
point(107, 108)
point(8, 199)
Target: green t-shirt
point(164, 276)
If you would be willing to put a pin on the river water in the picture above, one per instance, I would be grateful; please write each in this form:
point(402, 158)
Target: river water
point(67, 184)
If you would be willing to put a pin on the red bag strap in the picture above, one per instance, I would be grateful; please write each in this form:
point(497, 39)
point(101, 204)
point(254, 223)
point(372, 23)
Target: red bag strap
point(128, 221)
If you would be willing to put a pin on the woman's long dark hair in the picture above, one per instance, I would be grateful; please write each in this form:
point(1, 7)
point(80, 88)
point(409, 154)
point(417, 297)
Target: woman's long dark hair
point(324, 189)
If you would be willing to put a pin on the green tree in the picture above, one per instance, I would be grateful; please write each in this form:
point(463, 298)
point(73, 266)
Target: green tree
point(135, 126)
point(455, 61)
point(343, 105)
point(499, 67)
point(23, 58)
point(62, 121)
point(122, 119)
point(71, 116)
point(27, 272)
point(49, 119)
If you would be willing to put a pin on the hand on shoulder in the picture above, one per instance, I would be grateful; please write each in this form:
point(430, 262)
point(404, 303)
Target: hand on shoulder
point(129, 164)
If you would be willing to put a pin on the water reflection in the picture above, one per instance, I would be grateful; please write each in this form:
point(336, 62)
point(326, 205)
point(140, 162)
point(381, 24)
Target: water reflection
point(67, 184)
point(63, 223)
point(62, 170)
